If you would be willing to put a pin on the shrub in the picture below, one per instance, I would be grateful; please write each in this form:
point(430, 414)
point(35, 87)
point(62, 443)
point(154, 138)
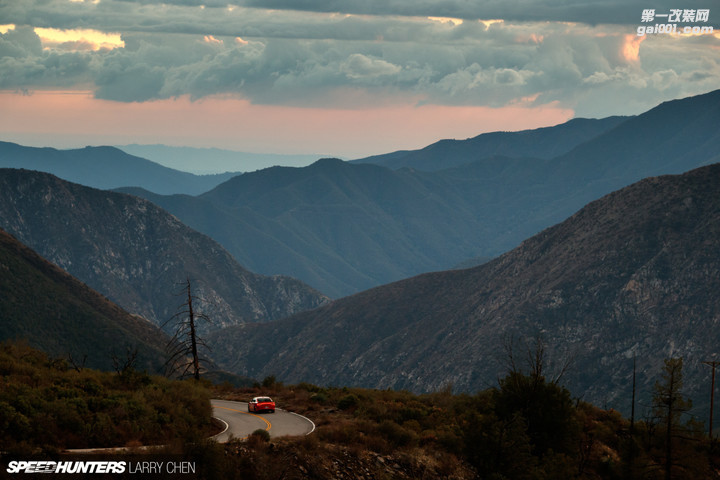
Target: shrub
point(269, 381)
point(397, 435)
point(319, 397)
point(348, 401)
point(546, 407)
point(261, 434)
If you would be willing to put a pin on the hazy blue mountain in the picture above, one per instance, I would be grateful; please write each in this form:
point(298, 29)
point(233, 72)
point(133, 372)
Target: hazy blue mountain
point(343, 227)
point(516, 197)
point(339, 227)
point(634, 274)
point(107, 168)
point(45, 306)
point(204, 161)
point(136, 254)
point(545, 143)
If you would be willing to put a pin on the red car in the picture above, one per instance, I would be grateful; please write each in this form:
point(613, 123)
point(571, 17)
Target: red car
point(261, 404)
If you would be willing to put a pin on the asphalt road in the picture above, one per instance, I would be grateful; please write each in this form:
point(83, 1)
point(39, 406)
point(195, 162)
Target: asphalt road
point(241, 423)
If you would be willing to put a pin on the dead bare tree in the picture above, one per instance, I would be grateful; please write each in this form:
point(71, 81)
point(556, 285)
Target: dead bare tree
point(125, 366)
point(536, 360)
point(78, 366)
point(669, 405)
point(184, 346)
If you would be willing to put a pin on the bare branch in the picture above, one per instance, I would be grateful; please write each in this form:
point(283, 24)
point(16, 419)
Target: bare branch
point(77, 366)
point(185, 341)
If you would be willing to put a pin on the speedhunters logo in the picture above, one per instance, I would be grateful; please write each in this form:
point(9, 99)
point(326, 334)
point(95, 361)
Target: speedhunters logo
point(66, 467)
point(99, 467)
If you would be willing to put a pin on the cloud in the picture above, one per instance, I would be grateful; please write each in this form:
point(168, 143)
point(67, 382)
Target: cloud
point(78, 39)
point(24, 64)
point(591, 12)
point(359, 66)
point(347, 53)
point(129, 83)
point(20, 42)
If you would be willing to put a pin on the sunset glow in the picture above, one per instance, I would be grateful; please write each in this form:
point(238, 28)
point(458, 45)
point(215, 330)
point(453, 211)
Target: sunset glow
point(92, 39)
point(487, 23)
point(237, 124)
point(631, 47)
point(453, 21)
point(211, 39)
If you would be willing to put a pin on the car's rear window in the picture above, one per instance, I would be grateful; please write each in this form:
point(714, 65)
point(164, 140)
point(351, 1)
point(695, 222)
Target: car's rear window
point(264, 399)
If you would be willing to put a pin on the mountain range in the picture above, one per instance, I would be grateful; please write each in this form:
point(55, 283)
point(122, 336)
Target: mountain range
point(45, 306)
point(544, 143)
point(136, 254)
point(204, 161)
point(343, 227)
point(633, 275)
point(107, 168)
point(336, 226)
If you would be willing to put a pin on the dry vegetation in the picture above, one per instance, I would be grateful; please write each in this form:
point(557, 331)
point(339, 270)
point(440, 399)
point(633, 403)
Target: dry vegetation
point(47, 405)
point(526, 428)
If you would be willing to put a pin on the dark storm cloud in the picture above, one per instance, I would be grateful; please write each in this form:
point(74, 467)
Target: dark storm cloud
point(24, 64)
point(586, 11)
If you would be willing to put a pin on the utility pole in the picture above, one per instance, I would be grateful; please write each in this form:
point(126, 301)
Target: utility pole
point(713, 364)
point(632, 407)
point(630, 473)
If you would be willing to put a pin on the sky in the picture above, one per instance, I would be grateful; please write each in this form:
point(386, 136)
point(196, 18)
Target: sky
point(346, 78)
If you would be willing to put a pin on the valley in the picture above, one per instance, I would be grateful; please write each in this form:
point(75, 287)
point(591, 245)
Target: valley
point(628, 275)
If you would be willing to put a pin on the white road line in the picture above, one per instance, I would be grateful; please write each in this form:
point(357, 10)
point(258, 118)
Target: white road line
point(224, 430)
point(304, 418)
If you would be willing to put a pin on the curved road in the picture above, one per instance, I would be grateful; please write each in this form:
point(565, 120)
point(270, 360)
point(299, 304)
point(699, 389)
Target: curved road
point(242, 423)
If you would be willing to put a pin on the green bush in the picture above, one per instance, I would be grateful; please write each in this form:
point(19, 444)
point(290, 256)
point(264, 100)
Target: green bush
point(269, 381)
point(319, 397)
point(547, 408)
point(348, 401)
point(261, 434)
point(397, 435)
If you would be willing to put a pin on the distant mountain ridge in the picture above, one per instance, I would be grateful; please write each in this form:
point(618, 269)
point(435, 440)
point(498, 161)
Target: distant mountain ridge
point(45, 306)
point(136, 253)
point(107, 168)
point(632, 275)
point(543, 143)
point(203, 161)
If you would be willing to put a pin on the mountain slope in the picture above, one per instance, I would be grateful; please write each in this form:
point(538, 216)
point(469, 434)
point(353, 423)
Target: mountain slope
point(55, 312)
point(136, 253)
point(544, 143)
point(107, 168)
point(634, 274)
